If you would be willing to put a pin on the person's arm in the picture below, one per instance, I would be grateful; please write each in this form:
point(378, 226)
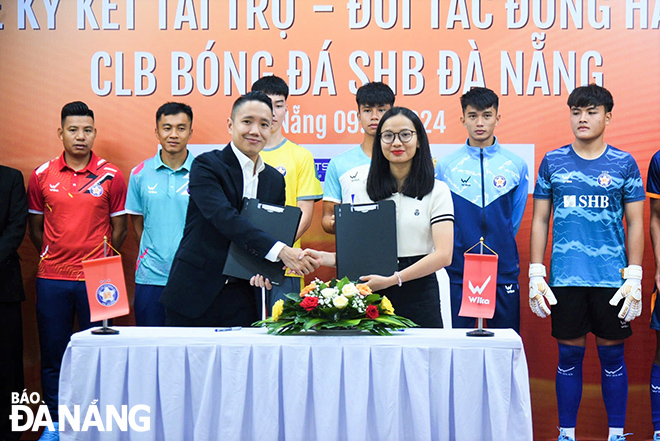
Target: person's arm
point(328, 220)
point(119, 230)
point(520, 199)
point(138, 226)
point(634, 212)
point(307, 208)
point(36, 230)
point(13, 234)
point(443, 242)
point(655, 237)
point(540, 228)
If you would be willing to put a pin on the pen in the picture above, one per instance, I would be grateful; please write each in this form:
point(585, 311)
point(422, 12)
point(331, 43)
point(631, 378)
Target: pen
point(229, 328)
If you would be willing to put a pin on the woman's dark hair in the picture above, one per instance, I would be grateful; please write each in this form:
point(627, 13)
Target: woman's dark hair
point(419, 182)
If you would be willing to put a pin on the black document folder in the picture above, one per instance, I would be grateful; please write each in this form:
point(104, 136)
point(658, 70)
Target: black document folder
point(365, 238)
point(281, 223)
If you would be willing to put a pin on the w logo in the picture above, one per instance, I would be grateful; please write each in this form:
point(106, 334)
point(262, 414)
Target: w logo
point(478, 289)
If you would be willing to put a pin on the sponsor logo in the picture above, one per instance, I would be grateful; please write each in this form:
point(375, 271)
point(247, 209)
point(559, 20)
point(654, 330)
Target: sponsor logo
point(509, 289)
point(499, 181)
point(567, 179)
point(354, 177)
point(151, 189)
point(604, 180)
point(107, 294)
point(586, 201)
point(54, 187)
point(655, 389)
point(466, 182)
point(93, 417)
point(614, 373)
point(478, 290)
point(96, 190)
point(567, 372)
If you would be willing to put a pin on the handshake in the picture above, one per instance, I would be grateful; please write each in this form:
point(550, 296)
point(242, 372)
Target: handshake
point(300, 262)
point(630, 292)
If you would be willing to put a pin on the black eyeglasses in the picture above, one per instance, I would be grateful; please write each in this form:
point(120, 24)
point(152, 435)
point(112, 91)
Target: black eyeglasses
point(404, 136)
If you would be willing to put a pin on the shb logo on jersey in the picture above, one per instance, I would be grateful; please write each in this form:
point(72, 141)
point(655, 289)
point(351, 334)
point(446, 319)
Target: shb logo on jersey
point(586, 201)
point(499, 181)
point(281, 169)
point(107, 294)
point(96, 190)
point(604, 180)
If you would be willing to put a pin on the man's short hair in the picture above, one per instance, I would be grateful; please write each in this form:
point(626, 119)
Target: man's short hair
point(173, 108)
point(255, 95)
point(374, 94)
point(272, 85)
point(591, 95)
point(76, 108)
point(480, 98)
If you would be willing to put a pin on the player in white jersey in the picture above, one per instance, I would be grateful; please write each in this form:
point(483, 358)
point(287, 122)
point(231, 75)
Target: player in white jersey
point(347, 173)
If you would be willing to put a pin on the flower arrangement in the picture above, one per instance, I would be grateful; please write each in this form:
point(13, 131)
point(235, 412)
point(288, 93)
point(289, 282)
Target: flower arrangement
point(338, 304)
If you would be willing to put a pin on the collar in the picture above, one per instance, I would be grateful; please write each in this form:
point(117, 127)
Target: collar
point(247, 165)
point(62, 165)
point(489, 152)
point(270, 149)
point(158, 163)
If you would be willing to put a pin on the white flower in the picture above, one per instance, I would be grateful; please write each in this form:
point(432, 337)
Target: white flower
point(329, 293)
point(349, 290)
point(340, 302)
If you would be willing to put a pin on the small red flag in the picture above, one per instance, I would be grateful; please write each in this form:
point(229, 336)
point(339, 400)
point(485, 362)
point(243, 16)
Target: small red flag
point(106, 288)
point(479, 286)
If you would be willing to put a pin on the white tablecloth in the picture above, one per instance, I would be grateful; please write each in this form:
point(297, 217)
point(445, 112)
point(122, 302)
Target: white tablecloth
point(421, 384)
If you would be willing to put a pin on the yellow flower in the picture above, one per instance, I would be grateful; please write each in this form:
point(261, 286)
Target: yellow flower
point(278, 307)
point(340, 302)
point(386, 306)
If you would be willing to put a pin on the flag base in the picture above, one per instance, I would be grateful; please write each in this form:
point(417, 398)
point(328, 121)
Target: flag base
point(104, 330)
point(480, 333)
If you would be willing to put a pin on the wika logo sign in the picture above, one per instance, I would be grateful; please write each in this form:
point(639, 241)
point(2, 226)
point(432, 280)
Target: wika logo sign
point(479, 282)
point(478, 290)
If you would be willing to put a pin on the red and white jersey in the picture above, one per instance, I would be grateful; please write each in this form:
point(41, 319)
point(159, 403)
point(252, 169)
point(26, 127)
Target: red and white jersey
point(77, 206)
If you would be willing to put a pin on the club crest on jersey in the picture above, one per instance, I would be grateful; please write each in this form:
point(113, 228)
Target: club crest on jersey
point(96, 190)
point(281, 169)
point(499, 181)
point(604, 180)
point(107, 294)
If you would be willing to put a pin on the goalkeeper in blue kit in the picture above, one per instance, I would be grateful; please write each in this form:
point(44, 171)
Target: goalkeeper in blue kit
point(588, 187)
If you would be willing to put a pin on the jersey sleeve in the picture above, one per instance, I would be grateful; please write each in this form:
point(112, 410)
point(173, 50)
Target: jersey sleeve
point(332, 188)
point(653, 177)
point(118, 195)
point(633, 189)
point(520, 198)
point(133, 199)
point(309, 186)
point(442, 206)
point(35, 197)
point(543, 187)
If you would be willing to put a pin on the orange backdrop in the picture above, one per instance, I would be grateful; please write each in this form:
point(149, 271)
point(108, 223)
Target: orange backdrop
point(206, 52)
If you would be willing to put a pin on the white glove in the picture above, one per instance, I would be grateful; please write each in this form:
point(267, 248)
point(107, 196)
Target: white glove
point(631, 291)
point(538, 289)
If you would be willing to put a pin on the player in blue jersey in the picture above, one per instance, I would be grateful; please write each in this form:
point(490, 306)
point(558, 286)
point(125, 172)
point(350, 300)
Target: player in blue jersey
point(489, 187)
point(588, 186)
point(347, 173)
point(157, 201)
point(653, 192)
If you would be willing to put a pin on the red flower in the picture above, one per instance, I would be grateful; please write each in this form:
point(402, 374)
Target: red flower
point(310, 303)
point(372, 312)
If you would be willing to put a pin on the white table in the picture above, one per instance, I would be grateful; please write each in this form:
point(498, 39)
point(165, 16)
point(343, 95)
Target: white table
point(421, 384)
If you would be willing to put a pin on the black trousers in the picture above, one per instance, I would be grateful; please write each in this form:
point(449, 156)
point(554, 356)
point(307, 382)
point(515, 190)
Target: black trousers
point(235, 305)
point(11, 363)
